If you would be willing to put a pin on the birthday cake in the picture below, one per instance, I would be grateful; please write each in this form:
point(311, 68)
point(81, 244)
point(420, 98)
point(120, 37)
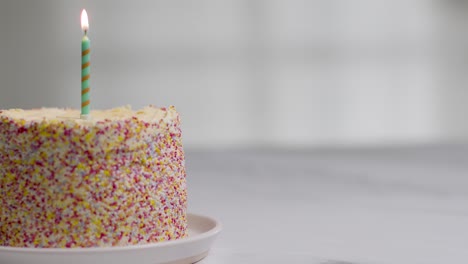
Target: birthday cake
point(115, 179)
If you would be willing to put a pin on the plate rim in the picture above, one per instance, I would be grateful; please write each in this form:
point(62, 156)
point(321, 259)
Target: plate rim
point(215, 230)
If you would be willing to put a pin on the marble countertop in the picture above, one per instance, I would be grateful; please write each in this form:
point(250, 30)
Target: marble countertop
point(334, 206)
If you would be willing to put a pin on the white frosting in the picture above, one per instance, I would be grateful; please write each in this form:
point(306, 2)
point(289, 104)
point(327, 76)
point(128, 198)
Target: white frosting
point(147, 114)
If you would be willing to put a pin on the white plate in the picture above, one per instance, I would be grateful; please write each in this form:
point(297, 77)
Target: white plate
point(202, 233)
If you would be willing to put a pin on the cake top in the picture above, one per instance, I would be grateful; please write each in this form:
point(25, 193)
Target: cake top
point(51, 115)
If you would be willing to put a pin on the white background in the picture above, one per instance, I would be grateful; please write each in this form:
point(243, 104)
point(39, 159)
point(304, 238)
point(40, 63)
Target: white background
point(251, 72)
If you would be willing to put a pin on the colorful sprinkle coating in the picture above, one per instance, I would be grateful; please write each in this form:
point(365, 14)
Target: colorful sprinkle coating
point(115, 180)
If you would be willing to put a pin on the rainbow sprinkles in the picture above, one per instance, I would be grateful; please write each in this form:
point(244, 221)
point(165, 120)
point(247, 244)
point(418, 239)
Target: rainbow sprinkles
point(115, 179)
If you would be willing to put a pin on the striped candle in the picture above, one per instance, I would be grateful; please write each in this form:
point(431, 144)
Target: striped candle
point(85, 69)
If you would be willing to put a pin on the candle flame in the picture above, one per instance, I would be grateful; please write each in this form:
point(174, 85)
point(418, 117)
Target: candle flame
point(84, 21)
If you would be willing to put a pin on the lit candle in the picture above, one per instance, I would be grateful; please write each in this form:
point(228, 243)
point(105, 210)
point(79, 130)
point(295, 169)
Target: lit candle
point(85, 69)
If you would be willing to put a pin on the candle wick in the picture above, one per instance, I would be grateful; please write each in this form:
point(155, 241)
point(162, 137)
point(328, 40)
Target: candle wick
point(86, 32)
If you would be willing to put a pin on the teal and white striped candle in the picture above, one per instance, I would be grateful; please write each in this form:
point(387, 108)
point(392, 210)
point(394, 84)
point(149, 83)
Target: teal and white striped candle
point(85, 69)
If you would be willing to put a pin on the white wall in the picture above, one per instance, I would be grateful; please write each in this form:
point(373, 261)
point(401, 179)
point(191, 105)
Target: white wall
point(244, 72)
